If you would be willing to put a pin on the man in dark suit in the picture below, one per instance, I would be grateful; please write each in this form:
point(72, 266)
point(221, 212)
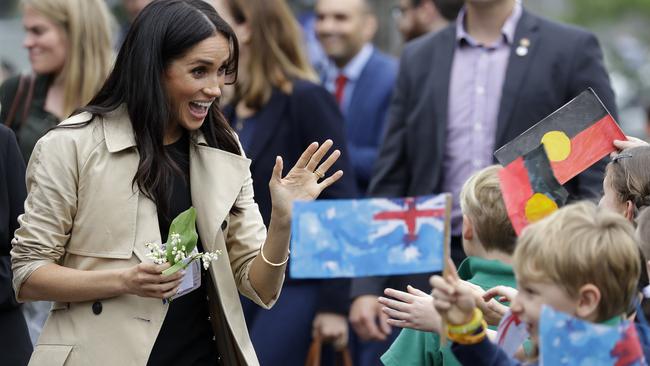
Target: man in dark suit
point(360, 77)
point(462, 93)
point(14, 336)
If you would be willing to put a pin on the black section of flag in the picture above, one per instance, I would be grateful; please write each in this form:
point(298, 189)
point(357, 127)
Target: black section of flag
point(572, 118)
point(540, 175)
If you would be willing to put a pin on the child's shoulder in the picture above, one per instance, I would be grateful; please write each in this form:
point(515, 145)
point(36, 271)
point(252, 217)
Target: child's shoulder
point(413, 347)
point(486, 273)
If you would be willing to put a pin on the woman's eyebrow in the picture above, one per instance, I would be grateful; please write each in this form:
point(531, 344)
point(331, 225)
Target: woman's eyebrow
point(202, 62)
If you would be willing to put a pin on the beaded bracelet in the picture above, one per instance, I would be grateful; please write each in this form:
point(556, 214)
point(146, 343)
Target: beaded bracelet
point(468, 327)
point(271, 263)
point(468, 339)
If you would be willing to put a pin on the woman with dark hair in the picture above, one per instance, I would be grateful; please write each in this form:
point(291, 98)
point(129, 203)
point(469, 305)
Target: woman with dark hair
point(151, 144)
point(278, 109)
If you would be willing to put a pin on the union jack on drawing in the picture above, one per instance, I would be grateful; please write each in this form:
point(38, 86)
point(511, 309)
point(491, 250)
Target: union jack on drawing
point(367, 237)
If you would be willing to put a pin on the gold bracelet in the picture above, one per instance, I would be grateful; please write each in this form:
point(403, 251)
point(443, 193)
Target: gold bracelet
point(469, 339)
point(468, 327)
point(271, 263)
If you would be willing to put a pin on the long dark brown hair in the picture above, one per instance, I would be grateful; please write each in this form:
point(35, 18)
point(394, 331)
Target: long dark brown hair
point(163, 32)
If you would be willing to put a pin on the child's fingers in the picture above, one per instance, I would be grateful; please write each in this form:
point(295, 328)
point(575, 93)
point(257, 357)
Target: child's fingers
point(412, 290)
point(398, 323)
point(441, 304)
point(394, 314)
point(399, 295)
point(441, 284)
point(451, 270)
point(499, 292)
point(398, 305)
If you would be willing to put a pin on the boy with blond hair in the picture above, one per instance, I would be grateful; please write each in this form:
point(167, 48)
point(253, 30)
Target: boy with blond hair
point(580, 260)
point(488, 241)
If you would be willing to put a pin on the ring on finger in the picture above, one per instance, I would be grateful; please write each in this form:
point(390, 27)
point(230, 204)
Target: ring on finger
point(319, 174)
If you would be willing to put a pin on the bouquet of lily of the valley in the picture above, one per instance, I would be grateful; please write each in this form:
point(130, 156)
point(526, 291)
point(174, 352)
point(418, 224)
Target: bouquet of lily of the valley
point(180, 249)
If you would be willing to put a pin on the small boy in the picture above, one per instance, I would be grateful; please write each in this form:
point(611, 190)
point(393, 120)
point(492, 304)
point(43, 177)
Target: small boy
point(580, 260)
point(488, 241)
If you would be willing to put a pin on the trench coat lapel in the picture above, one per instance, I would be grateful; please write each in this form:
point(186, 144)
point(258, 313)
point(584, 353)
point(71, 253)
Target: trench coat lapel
point(216, 178)
point(119, 137)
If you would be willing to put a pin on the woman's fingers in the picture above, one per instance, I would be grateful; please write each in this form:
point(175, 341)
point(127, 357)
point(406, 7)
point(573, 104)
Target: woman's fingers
point(277, 169)
point(315, 159)
point(159, 290)
point(306, 155)
point(327, 164)
point(330, 180)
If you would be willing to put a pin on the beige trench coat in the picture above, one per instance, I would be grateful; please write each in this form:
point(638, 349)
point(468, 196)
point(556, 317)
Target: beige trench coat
point(82, 212)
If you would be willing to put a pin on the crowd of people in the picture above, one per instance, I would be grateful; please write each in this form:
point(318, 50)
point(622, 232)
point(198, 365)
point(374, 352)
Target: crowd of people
point(220, 105)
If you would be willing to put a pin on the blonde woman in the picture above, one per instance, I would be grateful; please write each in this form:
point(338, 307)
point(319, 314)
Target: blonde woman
point(277, 109)
point(69, 44)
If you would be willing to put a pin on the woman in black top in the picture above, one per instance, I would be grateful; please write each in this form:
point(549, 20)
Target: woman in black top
point(110, 179)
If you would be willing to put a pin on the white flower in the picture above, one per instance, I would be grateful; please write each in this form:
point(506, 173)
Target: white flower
point(156, 253)
point(208, 257)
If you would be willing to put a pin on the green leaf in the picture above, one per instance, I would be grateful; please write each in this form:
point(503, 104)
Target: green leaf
point(181, 265)
point(185, 225)
point(175, 268)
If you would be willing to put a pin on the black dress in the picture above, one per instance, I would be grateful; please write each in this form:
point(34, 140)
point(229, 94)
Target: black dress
point(186, 336)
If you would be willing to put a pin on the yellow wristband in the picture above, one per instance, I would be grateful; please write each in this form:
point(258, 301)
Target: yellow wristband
point(468, 339)
point(468, 327)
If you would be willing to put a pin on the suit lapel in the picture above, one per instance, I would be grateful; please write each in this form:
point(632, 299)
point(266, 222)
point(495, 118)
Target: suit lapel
point(216, 178)
point(362, 91)
point(516, 72)
point(437, 94)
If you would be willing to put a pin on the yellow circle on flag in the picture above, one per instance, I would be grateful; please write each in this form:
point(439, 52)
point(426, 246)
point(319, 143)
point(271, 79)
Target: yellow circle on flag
point(538, 207)
point(557, 145)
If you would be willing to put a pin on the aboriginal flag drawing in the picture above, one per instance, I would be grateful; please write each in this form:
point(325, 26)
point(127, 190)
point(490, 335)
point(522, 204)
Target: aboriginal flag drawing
point(530, 190)
point(575, 137)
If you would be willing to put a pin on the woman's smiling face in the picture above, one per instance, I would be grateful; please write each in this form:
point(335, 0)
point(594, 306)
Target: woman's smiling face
point(193, 82)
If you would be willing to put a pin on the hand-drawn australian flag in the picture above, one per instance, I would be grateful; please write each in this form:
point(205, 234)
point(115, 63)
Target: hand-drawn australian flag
point(366, 237)
point(565, 340)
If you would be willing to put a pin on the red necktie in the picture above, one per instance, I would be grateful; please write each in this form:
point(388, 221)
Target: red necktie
point(340, 88)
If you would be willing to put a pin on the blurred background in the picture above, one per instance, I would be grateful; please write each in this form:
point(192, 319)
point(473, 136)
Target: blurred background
point(621, 26)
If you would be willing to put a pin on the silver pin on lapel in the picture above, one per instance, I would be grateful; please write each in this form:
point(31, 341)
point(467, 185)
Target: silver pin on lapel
point(522, 49)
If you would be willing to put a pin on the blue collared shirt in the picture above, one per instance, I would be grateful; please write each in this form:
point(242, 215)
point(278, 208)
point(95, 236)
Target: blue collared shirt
point(352, 71)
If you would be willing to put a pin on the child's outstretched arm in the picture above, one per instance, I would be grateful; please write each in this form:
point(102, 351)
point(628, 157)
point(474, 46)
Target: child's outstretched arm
point(466, 328)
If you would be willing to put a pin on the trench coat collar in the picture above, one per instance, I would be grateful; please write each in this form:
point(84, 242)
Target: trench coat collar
point(216, 176)
point(119, 133)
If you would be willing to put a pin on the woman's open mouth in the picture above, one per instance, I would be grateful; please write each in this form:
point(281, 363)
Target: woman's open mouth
point(199, 110)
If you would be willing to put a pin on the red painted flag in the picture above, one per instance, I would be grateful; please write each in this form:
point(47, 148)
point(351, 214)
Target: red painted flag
point(530, 190)
point(575, 136)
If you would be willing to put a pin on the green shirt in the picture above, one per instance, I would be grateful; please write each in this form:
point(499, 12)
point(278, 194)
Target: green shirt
point(38, 120)
point(414, 347)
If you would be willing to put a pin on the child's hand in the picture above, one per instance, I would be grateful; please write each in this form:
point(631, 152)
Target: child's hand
point(502, 293)
point(413, 309)
point(454, 302)
point(492, 310)
point(626, 144)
